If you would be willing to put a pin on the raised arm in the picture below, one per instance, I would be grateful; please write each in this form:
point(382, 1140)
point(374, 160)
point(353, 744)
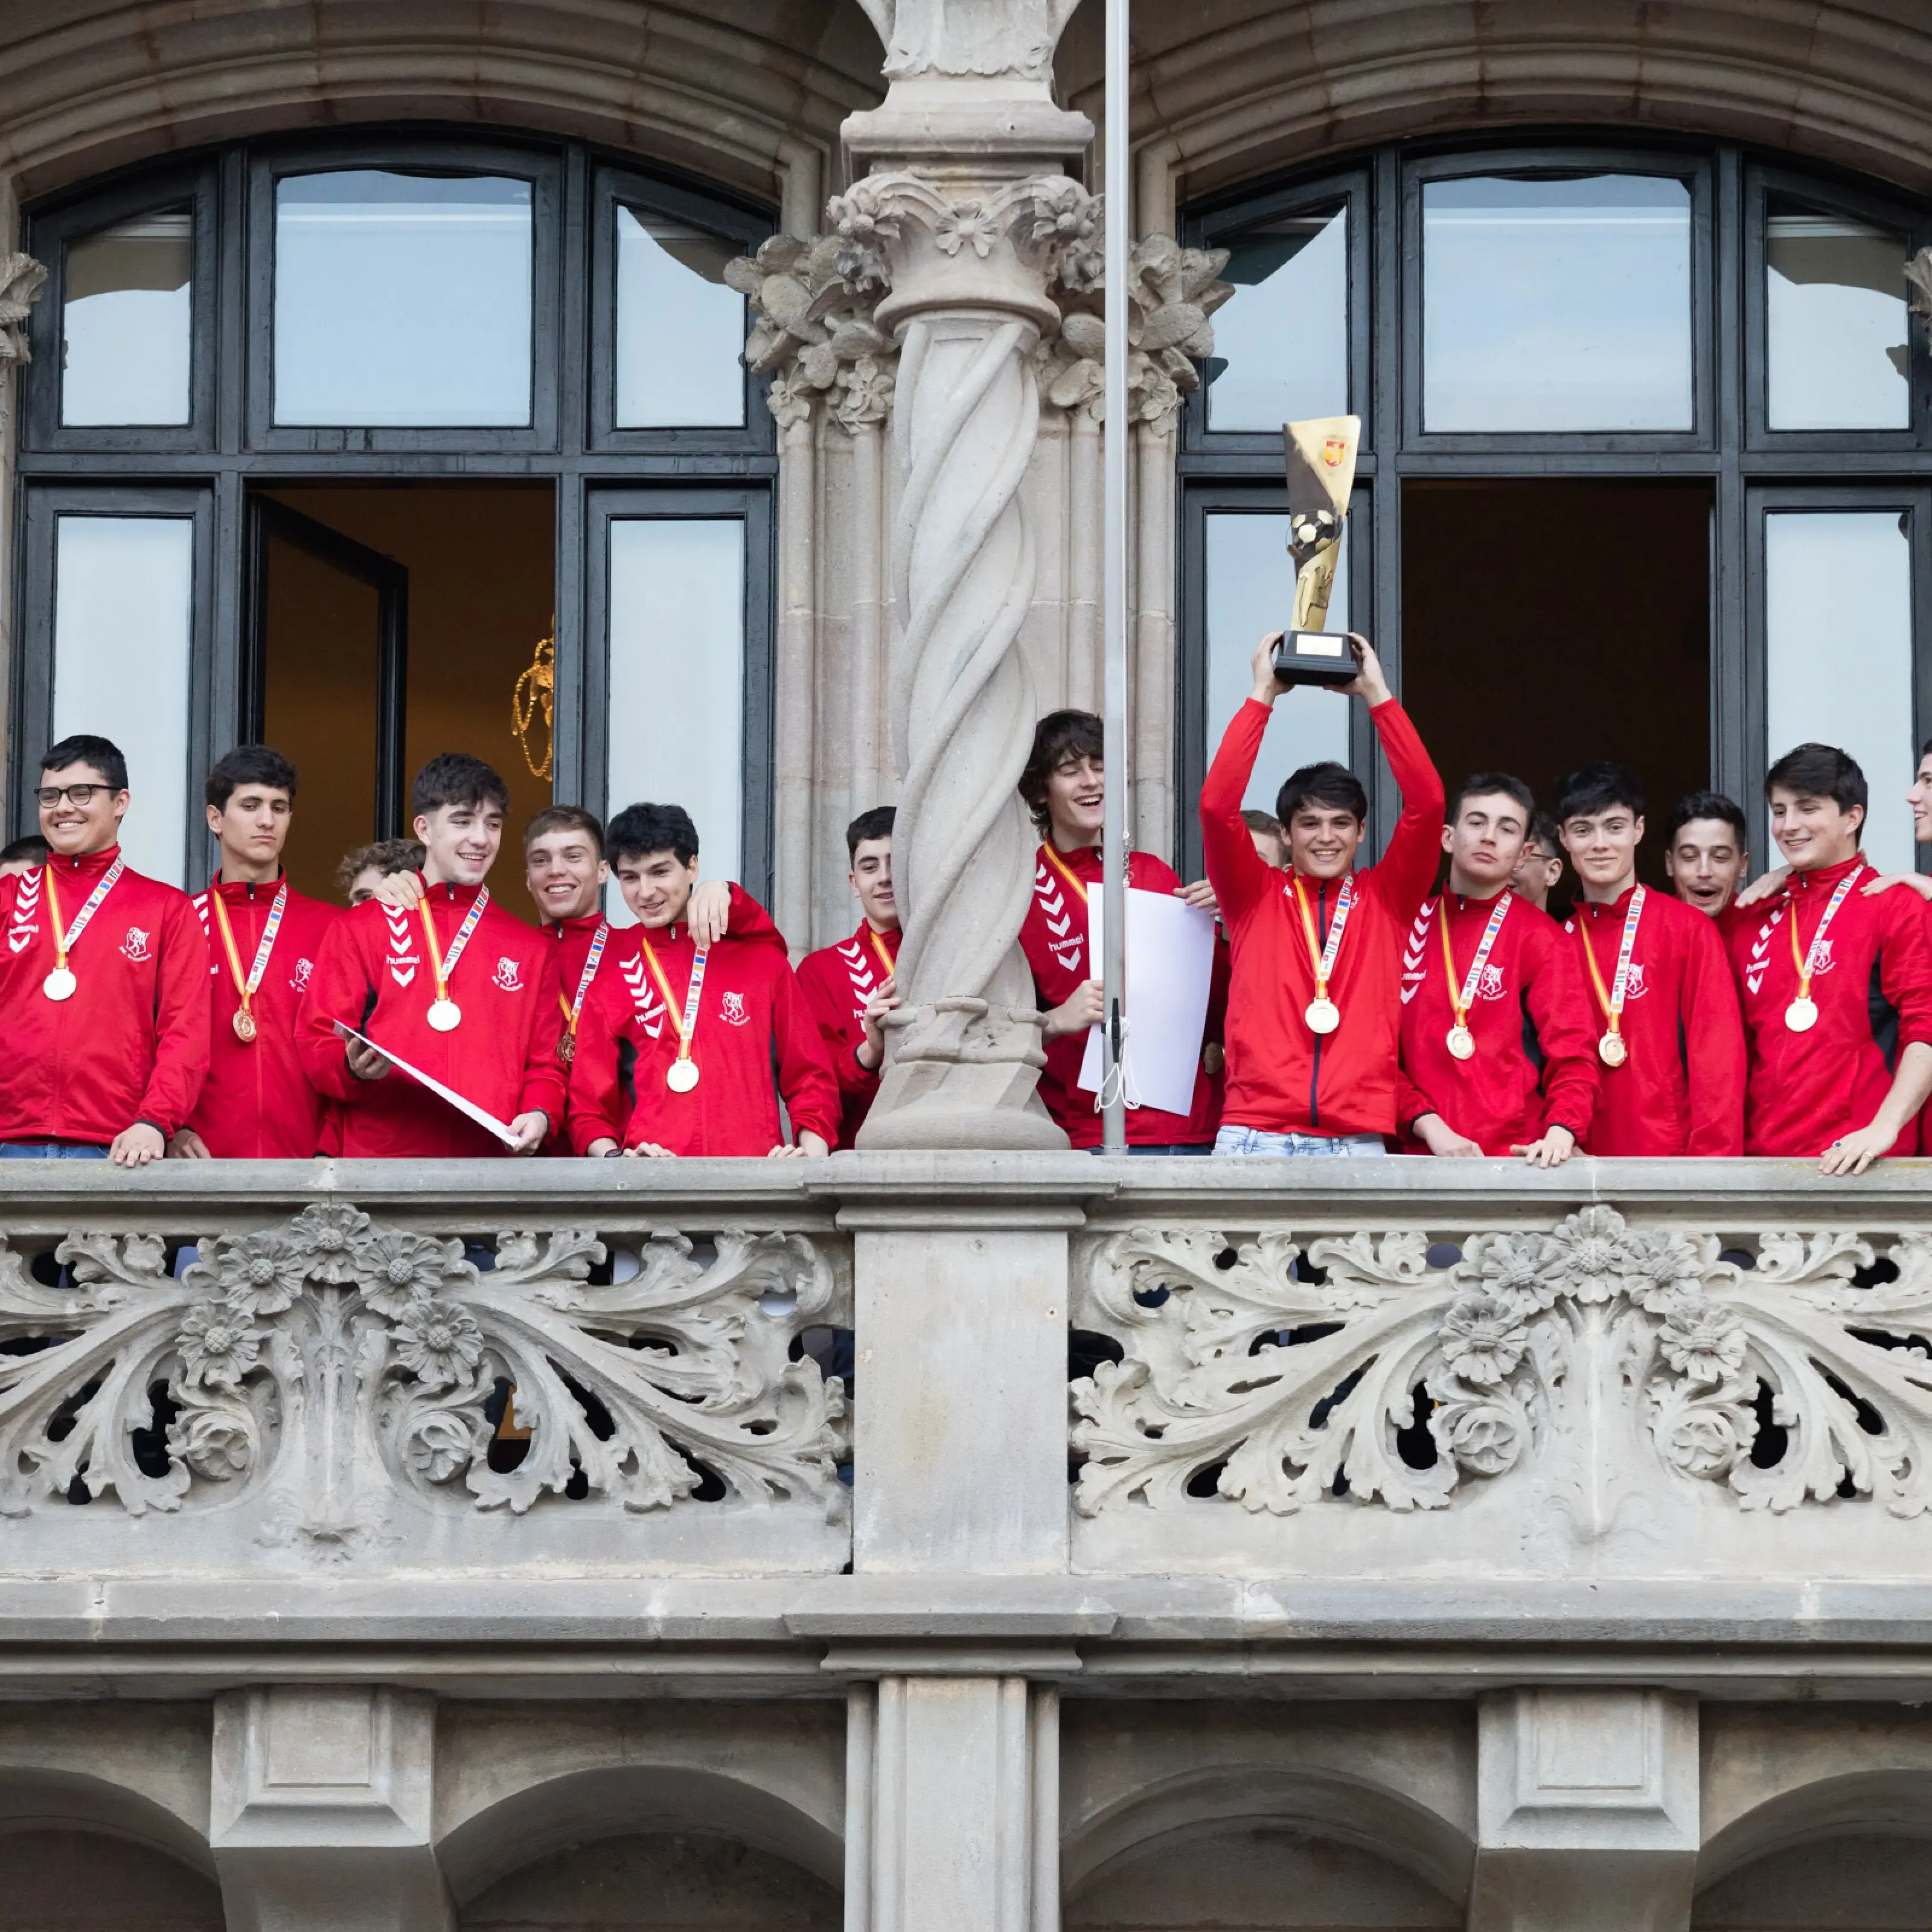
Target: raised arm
point(1414, 850)
point(1237, 872)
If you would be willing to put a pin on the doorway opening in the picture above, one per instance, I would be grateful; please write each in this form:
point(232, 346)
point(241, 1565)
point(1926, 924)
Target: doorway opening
point(1547, 623)
point(391, 623)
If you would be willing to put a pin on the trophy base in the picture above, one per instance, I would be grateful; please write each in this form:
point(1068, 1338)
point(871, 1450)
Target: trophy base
point(1315, 657)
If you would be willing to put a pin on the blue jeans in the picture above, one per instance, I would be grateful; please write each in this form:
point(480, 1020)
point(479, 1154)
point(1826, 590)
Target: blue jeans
point(1258, 1140)
point(50, 1151)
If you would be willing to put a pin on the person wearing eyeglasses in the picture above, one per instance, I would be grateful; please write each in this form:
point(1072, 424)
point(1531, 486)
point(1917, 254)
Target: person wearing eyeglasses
point(103, 981)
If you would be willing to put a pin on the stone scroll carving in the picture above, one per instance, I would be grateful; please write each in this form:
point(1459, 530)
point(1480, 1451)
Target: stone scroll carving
point(22, 278)
point(1356, 1370)
point(331, 1360)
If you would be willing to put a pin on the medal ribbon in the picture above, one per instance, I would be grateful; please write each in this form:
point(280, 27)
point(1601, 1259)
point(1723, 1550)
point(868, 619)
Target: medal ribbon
point(1808, 965)
point(1462, 1001)
point(572, 1009)
point(687, 1024)
point(1065, 871)
point(65, 940)
point(886, 959)
point(1322, 957)
point(1613, 1001)
point(444, 965)
point(246, 988)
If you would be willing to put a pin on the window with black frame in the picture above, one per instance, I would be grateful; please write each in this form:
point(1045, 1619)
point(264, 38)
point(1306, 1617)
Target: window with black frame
point(1646, 454)
point(375, 449)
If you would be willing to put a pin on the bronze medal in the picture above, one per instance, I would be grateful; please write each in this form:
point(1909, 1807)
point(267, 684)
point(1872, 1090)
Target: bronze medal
point(245, 1026)
point(566, 1047)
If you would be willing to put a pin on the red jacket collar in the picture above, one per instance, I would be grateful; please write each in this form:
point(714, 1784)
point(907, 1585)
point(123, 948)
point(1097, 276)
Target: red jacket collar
point(1083, 858)
point(242, 892)
point(1459, 902)
point(459, 896)
point(864, 936)
point(559, 928)
point(88, 865)
point(1614, 908)
point(1823, 878)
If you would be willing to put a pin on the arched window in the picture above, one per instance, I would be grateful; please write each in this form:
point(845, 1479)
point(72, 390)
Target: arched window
point(364, 447)
point(1646, 466)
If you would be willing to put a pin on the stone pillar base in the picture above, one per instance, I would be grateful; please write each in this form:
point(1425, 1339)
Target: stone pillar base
point(959, 1079)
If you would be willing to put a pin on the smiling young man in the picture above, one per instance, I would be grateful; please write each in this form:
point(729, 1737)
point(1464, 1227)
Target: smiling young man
point(677, 1046)
point(1496, 1056)
point(103, 981)
point(1706, 852)
point(454, 984)
point(264, 938)
point(1663, 1005)
point(1836, 982)
point(1314, 1008)
point(850, 985)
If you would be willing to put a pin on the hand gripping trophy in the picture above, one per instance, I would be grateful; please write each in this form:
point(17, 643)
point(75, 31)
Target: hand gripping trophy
point(1321, 474)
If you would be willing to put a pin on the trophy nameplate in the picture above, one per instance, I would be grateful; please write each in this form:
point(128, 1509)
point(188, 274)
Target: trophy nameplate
point(1320, 457)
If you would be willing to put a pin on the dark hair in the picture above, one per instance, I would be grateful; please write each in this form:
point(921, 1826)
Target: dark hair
point(455, 778)
point(1820, 771)
point(639, 830)
point(1492, 784)
point(1596, 787)
point(248, 764)
point(1327, 784)
point(1543, 835)
point(385, 856)
point(564, 818)
point(1261, 821)
point(1706, 805)
point(81, 748)
point(876, 823)
point(32, 847)
point(1058, 736)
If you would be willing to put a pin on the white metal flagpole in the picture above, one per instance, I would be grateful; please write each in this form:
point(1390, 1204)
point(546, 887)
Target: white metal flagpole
point(1114, 630)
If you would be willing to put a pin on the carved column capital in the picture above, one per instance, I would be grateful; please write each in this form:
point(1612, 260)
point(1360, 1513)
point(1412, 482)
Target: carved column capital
point(22, 278)
point(813, 333)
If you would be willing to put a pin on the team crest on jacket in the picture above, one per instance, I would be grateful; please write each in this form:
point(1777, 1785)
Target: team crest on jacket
point(1634, 988)
point(1065, 936)
point(26, 907)
point(731, 1010)
point(1490, 986)
point(650, 1009)
point(298, 978)
point(508, 972)
point(135, 946)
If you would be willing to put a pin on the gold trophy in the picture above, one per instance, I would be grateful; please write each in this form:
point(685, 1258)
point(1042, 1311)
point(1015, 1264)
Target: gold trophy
point(1321, 475)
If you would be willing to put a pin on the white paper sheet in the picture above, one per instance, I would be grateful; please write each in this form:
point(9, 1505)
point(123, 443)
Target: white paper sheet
point(1170, 966)
point(436, 1087)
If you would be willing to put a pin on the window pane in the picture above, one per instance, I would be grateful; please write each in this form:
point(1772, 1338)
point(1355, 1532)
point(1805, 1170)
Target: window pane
point(1556, 305)
point(123, 589)
point(680, 331)
point(1251, 591)
point(677, 675)
point(1837, 590)
point(126, 323)
point(1281, 339)
point(1835, 319)
point(402, 300)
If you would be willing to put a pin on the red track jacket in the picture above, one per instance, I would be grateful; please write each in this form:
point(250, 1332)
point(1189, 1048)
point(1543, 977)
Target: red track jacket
point(750, 1005)
point(1528, 992)
point(838, 980)
point(1282, 1077)
point(1804, 1090)
point(257, 1103)
point(132, 1043)
point(1053, 936)
point(1681, 1089)
point(375, 975)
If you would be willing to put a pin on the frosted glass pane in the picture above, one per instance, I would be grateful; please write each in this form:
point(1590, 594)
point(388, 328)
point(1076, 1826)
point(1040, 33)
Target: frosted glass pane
point(1837, 588)
point(1836, 322)
point(1281, 339)
point(680, 331)
point(1250, 593)
point(402, 300)
point(1556, 305)
point(127, 322)
point(677, 678)
point(124, 592)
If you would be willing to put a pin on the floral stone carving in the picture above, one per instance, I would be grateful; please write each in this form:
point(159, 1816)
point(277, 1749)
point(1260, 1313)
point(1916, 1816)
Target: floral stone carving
point(1356, 1370)
point(332, 1357)
point(812, 333)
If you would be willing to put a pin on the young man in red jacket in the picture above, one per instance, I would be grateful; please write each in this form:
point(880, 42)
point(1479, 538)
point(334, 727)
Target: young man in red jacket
point(263, 938)
point(455, 985)
point(850, 985)
point(1836, 982)
point(103, 981)
point(1661, 1001)
point(1313, 1012)
point(1064, 785)
point(676, 1050)
point(1483, 976)
point(1707, 852)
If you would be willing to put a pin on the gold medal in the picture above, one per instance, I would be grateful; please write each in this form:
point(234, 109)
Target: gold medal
point(59, 984)
point(245, 1026)
point(1462, 1042)
point(1612, 1050)
point(683, 1076)
point(1323, 1016)
point(446, 1015)
point(1802, 1016)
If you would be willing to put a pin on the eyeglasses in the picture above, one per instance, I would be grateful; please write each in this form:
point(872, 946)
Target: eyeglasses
point(50, 796)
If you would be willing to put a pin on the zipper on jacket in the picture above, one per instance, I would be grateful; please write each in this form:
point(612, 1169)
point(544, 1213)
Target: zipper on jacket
point(1315, 1067)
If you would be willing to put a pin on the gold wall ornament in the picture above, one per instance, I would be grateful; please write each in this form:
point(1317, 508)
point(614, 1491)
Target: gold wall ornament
point(536, 695)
